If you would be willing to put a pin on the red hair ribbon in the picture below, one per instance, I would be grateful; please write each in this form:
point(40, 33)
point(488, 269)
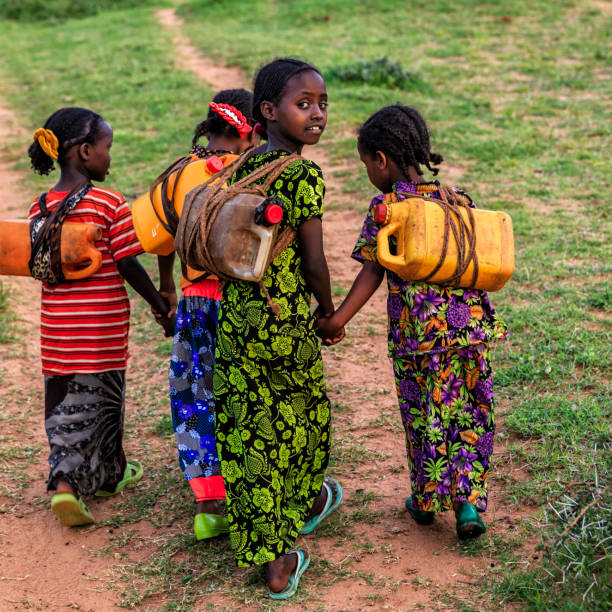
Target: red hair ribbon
point(233, 116)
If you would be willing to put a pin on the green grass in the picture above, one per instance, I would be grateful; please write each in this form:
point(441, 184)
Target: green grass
point(6, 318)
point(60, 10)
point(127, 74)
point(516, 96)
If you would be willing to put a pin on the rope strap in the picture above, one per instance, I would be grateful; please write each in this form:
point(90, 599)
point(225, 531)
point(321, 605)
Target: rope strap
point(46, 233)
point(171, 222)
point(464, 233)
point(192, 236)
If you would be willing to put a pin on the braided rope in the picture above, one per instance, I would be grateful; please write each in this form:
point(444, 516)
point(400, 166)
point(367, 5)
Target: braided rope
point(191, 241)
point(172, 219)
point(464, 233)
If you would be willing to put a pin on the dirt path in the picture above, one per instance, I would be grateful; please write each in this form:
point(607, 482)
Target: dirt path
point(46, 566)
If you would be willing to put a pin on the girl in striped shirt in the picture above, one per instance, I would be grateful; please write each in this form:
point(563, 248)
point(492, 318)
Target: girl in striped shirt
point(84, 323)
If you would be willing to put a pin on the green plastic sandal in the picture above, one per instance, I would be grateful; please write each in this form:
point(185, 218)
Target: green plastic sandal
point(133, 473)
point(469, 523)
point(209, 525)
point(422, 517)
point(71, 511)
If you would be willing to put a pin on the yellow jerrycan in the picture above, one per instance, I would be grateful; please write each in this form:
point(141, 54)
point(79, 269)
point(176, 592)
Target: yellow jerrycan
point(150, 220)
point(79, 255)
point(418, 226)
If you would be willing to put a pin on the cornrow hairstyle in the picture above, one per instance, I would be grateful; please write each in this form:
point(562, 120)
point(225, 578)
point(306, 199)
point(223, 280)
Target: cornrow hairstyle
point(401, 133)
point(216, 124)
point(72, 126)
point(271, 80)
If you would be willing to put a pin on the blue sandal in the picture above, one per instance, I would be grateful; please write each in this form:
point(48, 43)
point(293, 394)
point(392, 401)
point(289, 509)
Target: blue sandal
point(294, 579)
point(331, 503)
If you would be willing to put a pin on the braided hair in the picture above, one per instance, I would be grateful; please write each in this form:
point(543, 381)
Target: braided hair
point(271, 80)
point(400, 133)
point(71, 126)
point(215, 124)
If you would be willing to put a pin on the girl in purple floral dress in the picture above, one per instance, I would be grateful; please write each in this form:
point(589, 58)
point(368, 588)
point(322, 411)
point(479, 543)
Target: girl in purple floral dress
point(438, 340)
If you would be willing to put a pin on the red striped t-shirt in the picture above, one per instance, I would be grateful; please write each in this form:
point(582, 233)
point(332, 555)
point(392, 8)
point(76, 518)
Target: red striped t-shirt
point(84, 323)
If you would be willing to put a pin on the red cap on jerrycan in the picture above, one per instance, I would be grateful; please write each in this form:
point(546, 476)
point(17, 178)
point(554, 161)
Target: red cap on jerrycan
point(380, 214)
point(214, 164)
point(273, 213)
point(269, 212)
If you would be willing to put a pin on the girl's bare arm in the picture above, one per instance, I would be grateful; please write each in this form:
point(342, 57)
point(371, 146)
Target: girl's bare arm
point(314, 264)
point(365, 284)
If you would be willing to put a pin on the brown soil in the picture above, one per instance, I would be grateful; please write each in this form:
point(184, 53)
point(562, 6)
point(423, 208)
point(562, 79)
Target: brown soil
point(46, 566)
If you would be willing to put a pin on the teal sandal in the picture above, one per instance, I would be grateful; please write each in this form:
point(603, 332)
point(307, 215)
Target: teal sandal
point(294, 580)
point(70, 511)
point(331, 503)
point(133, 473)
point(422, 517)
point(469, 523)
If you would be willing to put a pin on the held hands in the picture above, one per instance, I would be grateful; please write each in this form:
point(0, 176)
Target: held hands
point(168, 320)
point(327, 329)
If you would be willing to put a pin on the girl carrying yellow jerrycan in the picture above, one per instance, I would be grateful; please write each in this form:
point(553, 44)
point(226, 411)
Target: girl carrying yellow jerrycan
point(435, 240)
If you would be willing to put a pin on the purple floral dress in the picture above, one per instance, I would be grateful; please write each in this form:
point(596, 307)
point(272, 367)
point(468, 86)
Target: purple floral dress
point(439, 342)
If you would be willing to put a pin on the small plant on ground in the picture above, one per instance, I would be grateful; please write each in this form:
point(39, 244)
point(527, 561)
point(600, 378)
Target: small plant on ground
point(379, 72)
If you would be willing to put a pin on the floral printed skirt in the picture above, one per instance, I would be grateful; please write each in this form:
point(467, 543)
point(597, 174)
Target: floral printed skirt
point(446, 404)
point(273, 437)
point(84, 425)
point(191, 395)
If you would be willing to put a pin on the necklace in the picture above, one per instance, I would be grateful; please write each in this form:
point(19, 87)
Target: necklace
point(203, 152)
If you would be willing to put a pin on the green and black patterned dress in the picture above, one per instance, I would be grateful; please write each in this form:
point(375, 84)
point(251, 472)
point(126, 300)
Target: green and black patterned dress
point(272, 413)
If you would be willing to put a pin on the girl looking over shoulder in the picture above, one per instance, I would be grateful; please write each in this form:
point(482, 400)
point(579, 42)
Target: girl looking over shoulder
point(273, 415)
point(438, 339)
point(84, 323)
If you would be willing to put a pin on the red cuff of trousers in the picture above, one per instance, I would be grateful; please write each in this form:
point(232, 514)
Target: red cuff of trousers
point(208, 487)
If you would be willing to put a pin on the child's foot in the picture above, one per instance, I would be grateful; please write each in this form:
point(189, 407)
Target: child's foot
point(422, 517)
point(469, 523)
point(283, 574)
point(70, 511)
point(325, 503)
point(208, 521)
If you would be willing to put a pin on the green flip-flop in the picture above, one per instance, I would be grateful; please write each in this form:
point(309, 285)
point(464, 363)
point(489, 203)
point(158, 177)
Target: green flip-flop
point(331, 503)
point(133, 473)
point(294, 579)
point(70, 511)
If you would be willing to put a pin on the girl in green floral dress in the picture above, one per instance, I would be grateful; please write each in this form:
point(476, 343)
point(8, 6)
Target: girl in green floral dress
point(272, 412)
point(438, 339)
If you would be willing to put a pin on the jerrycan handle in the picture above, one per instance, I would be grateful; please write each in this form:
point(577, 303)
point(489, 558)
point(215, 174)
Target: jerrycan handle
point(266, 237)
point(383, 243)
point(90, 253)
point(390, 228)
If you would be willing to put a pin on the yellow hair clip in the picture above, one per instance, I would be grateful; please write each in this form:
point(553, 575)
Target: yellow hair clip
point(48, 141)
